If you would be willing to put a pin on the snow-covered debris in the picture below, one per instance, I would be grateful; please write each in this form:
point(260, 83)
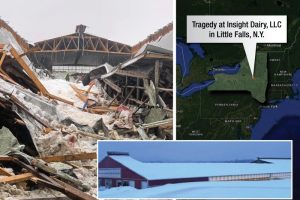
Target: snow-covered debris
point(63, 89)
point(86, 121)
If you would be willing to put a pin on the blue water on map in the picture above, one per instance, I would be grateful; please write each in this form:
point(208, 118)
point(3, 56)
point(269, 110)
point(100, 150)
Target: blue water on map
point(198, 50)
point(195, 87)
point(284, 125)
point(283, 120)
point(225, 69)
point(184, 55)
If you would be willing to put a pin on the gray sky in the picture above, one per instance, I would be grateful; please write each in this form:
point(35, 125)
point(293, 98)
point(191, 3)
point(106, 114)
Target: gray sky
point(125, 21)
point(168, 151)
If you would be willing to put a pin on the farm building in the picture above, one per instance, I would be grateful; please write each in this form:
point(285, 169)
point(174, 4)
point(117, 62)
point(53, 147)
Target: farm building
point(120, 169)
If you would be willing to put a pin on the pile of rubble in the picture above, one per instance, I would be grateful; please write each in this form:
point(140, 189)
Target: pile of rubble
point(49, 128)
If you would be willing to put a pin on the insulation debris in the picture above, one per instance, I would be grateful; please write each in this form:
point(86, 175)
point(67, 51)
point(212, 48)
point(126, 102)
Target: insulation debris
point(49, 127)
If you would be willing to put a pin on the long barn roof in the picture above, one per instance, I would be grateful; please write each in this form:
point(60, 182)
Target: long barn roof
point(157, 171)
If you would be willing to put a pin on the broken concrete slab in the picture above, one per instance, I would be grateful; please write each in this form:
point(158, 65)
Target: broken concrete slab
point(88, 122)
point(155, 114)
point(8, 141)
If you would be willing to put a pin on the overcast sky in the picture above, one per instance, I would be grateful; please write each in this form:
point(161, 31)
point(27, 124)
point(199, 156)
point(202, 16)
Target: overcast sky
point(168, 151)
point(125, 21)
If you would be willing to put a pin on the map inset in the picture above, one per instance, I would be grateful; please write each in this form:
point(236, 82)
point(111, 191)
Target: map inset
point(217, 97)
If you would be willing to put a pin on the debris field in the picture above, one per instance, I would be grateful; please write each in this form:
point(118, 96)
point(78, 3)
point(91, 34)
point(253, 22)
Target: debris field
point(49, 127)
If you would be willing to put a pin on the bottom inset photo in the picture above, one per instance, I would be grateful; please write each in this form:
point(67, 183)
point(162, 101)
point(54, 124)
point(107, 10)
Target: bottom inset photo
point(195, 169)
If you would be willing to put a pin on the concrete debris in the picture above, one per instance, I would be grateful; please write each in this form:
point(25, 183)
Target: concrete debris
point(49, 127)
point(17, 192)
point(9, 191)
point(155, 114)
point(84, 121)
point(8, 141)
point(124, 119)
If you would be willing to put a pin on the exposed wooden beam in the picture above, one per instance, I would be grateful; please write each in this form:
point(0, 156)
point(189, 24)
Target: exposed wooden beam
point(84, 98)
point(5, 172)
point(2, 46)
point(92, 43)
point(58, 43)
point(159, 88)
point(102, 110)
point(6, 158)
point(162, 123)
point(29, 72)
point(142, 133)
point(156, 72)
point(137, 89)
point(1, 62)
point(59, 99)
point(2, 105)
point(50, 198)
point(64, 188)
point(20, 105)
point(7, 78)
point(73, 192)
point(29, 51)
point(113, 100)
point(2, 58)
point(16, 178)
point(81, 156)
point(159, 56)
point(112, 85)
point(85, 91)
point(85, 50)
point(35, 172)
point(134, 74)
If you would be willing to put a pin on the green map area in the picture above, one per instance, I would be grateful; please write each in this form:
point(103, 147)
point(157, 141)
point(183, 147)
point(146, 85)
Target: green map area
point(243, 80)
point(219, 112)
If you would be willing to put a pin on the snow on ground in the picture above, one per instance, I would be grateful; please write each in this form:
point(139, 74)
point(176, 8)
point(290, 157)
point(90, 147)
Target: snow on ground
point(62, 88)
point(225, 189)
point(154, 171)
point(77, 116)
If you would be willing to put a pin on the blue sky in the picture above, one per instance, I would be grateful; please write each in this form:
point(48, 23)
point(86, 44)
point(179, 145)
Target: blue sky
point(168, 151)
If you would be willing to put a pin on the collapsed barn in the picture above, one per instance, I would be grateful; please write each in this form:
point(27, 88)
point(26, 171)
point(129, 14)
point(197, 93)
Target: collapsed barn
point(49, 127)
point(143, 80)
point(139, 76)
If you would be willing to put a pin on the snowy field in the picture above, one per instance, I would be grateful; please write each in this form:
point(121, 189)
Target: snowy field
point(225, 189)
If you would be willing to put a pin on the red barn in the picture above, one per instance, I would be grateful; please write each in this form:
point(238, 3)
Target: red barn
point(113, 172)
point(119, 169)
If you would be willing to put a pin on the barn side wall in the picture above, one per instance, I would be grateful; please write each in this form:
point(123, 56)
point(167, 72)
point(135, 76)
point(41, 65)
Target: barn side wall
point(126, 173)
point(179, 180)
point(138, 184)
